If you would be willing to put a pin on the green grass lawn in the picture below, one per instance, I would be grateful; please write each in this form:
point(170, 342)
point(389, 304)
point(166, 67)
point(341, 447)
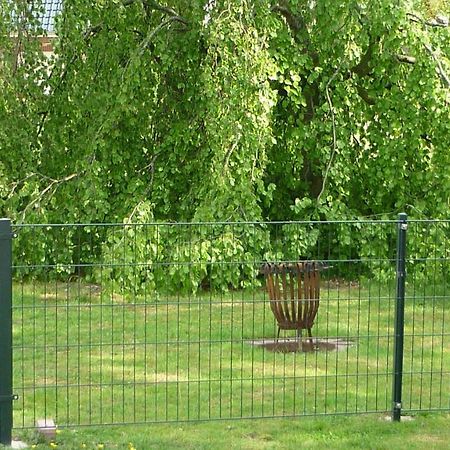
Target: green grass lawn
point(348, 432)
point(84, 356)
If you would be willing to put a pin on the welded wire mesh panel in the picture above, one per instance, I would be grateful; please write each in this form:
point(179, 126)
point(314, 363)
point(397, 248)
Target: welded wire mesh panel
point(427, 317)
point(139, 323)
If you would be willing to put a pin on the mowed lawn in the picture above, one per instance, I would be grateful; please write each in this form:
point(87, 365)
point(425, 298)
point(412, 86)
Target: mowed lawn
point(86, 356)
point(331, 432)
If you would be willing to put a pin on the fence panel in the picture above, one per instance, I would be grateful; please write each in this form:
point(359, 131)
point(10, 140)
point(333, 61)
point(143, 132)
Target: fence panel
point(426, 375)
point(137, 323)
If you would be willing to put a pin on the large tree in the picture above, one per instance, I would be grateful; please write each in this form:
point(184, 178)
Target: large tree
point(225, 109)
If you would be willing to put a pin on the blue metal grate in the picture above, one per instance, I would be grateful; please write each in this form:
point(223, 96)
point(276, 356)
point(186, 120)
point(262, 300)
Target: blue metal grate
point(51, 9)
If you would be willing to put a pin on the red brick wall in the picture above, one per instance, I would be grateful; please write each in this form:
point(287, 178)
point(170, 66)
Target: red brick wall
point(47, 43)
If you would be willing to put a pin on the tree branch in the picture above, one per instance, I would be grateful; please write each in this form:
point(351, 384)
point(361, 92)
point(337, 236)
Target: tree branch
point(406, 59)
point(230, 151)
point(297, 25)
point(166, 10)
point(16, 184)
point(54, 183)
point(150, 4)
point(292, 21)
point(333, 121)
point(438, 21)
point(151, 166)
point(92, 31)
point(362, 92)
point(445, 79)
point(363, 68)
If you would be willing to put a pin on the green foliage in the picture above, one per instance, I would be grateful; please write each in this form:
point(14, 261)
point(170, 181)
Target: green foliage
point(150, 258)
point(223, 110)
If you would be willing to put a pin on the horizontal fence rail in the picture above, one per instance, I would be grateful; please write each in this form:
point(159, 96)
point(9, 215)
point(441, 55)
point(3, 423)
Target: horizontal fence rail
point(140, 323)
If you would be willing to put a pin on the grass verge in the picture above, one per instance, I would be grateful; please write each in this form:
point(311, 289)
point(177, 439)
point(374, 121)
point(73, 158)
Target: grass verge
point(430, 431)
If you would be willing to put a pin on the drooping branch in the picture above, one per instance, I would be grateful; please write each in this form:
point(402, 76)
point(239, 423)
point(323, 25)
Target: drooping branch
point(333, 122)
point(438, 21)
point(364, 94)
point(445, 79)
point(300, 33)
point(299, 30)
point(363, 68)
point(292, 20)
point(230, 151)
point(52, 187)
point(150, 5)
point(311, 90)
point(406, 59)
point(166, 10)
point(94, 30)
point(151, 168)
point(145, 43)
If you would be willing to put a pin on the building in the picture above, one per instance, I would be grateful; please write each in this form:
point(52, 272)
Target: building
point(51, 8)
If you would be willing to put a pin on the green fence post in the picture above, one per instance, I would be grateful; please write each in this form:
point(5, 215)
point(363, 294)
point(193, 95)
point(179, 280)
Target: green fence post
point(6, 395)
point(399, 317)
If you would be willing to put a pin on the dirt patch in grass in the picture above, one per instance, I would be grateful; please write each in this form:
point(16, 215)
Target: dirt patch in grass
point(303, 345)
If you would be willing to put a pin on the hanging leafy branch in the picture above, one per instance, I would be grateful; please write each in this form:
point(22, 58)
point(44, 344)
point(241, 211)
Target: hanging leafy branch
point(230, 109)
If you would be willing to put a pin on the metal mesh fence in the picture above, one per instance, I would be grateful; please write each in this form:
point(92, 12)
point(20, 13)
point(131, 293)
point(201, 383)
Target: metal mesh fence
point(426, 374)
point(137, 323)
